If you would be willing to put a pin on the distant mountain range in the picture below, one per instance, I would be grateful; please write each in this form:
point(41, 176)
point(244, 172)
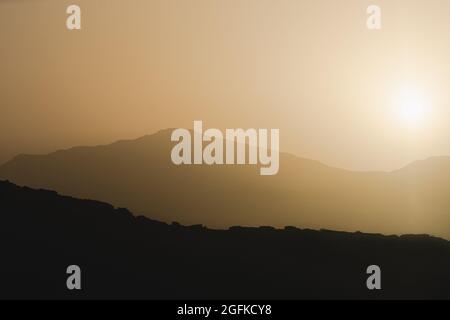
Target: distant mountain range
point(124, 256)
point(138, 174)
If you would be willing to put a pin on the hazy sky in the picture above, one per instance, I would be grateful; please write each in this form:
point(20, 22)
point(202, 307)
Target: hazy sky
point(311, 68)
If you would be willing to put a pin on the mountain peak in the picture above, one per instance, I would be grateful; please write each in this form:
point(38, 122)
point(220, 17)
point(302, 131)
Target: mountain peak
point(139, 174)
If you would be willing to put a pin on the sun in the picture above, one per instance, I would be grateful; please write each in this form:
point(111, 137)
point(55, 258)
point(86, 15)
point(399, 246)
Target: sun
point(412, 106)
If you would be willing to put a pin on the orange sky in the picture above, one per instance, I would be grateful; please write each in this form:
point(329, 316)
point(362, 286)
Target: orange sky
point(310, 68)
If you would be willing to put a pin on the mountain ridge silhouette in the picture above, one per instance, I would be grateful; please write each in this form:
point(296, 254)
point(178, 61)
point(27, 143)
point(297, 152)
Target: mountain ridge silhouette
point(123, 256)
point(138, 174)
point(167, 131)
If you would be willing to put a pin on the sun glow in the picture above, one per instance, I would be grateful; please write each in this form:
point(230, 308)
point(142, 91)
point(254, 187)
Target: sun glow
point(412, 106)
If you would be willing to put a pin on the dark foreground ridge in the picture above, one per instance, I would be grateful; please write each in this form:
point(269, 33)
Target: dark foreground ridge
point(122, 256)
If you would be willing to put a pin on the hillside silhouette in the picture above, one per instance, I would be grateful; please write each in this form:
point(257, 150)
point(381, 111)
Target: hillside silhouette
point(127, 256)
point(138, 174)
